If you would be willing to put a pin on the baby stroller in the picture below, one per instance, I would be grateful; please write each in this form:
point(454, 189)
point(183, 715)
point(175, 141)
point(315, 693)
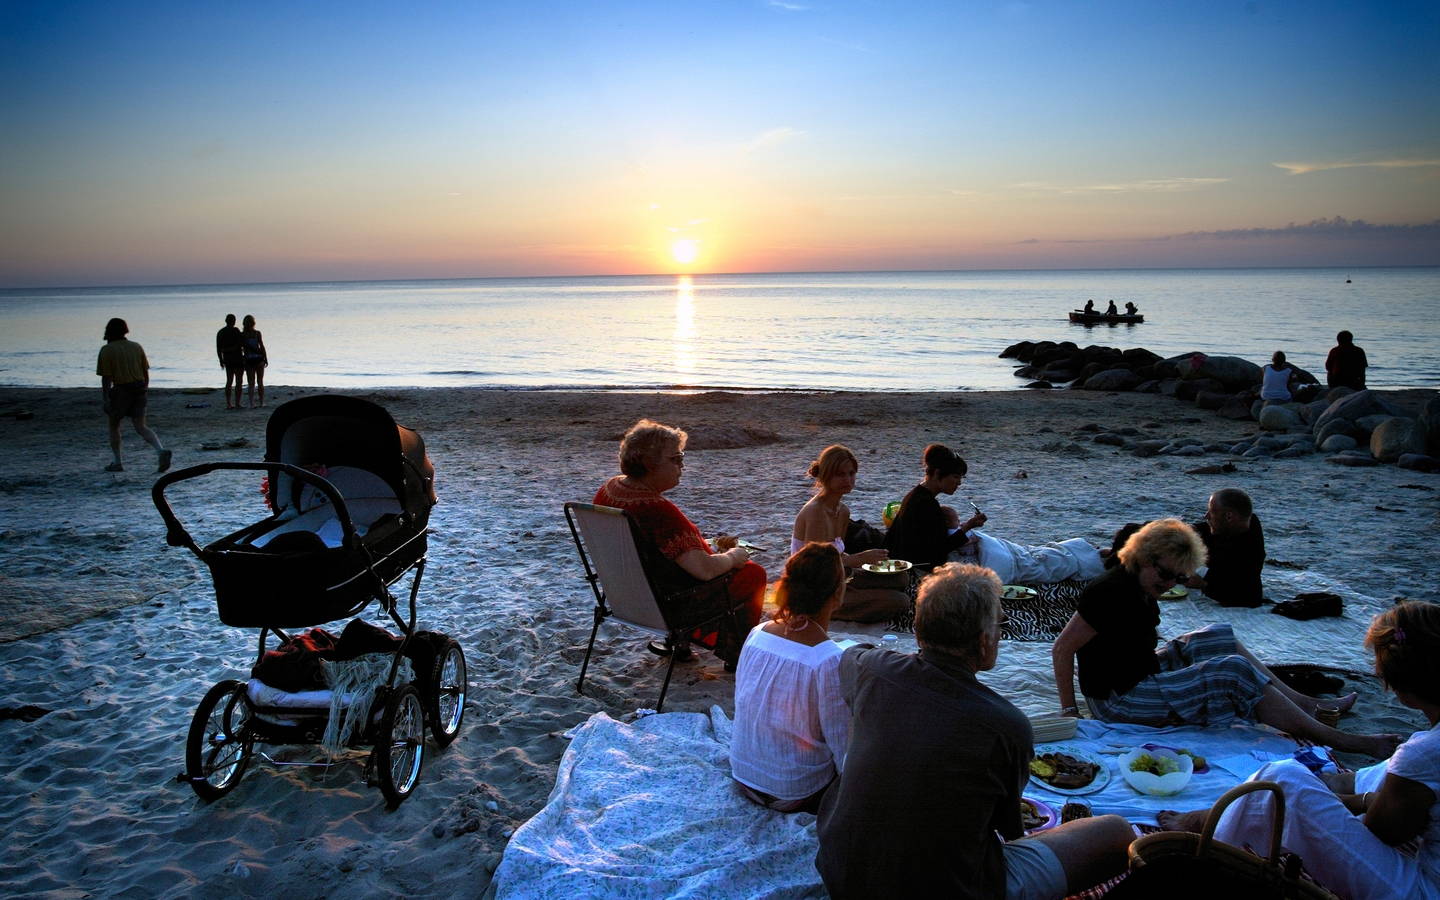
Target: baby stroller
point(351, 494)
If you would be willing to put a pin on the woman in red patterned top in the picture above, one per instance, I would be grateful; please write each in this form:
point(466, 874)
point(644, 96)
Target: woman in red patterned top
point(652, 459)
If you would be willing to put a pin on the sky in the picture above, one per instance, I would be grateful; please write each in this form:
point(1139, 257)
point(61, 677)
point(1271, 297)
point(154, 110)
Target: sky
point(213, 142)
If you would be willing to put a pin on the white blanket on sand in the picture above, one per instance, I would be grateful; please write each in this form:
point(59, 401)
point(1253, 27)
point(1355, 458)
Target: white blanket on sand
point(648, 809)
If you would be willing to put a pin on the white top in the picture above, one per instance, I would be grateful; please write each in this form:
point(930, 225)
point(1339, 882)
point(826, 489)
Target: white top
point(1276, 383)
point(796, 544)
point(791, 723)
point(1418, 759)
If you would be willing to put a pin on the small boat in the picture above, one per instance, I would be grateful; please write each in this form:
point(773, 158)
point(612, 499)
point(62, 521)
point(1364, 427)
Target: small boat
point(1082, 317)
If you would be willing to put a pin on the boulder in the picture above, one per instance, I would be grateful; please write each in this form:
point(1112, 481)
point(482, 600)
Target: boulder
point(1213, 399)
point(1149, 448)
point(1139, 356)
point(1419, 462)
point(1014, 350)
point(1147, 387)
point(1352, 458)
point(1295, 450)
point(1429, 425)
point(1025, 372)
point(1188, 450)
point(1169, 386)
point(1039, 386)
point(1337, 443)
point(1395, 437)
point(1339, 426)
point(1311, 411)
point(1257, 452)
point(1354, 406)
point(1236, 408)
point(1232, 371)
point(1368, 424)
point(1188, 389)
point(1112, 380)
point(1056, 372)
point(1113, 440)
point(1280, 417)
point(1240, 448)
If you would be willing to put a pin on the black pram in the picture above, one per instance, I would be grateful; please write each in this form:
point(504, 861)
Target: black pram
point(350, 493)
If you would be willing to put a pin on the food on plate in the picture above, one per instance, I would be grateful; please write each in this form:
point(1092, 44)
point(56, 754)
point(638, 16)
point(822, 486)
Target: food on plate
point(1155, 765)
point(1074, 810)
point(1061, 770)
point(1030, 815)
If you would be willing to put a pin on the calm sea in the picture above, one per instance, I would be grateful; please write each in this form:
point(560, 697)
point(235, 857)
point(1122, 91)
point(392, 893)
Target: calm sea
point(892, 331)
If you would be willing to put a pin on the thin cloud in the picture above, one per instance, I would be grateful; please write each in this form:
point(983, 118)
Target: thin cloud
point(1144, 186)
point(1305, 168)
point(772, 138)
point(1338, 227)
point(787, 7)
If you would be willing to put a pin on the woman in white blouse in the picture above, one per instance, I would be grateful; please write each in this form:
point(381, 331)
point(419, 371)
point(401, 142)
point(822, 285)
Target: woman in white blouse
point(791, 724)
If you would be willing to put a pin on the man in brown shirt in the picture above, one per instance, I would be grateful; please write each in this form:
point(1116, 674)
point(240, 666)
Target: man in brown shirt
point(124, 380)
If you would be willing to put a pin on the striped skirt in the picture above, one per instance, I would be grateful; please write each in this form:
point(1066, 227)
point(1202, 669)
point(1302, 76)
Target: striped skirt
point(1202, 681)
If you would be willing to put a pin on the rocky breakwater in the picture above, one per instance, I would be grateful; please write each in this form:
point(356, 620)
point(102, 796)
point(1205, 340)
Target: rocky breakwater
point(1353, 428)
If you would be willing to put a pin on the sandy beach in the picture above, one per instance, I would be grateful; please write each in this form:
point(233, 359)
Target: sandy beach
point(114, 636)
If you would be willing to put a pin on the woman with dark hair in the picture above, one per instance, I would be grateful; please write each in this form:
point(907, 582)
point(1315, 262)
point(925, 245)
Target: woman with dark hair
point(1351, 828)
point(791, 722)
point(921, 532)
point(256, 359)
point(1203, 677)
point(652, 461)
point(927, 534)
point(826, 518)
point(124, 382)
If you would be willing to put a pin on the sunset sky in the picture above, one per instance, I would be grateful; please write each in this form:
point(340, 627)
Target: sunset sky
point(209, 142)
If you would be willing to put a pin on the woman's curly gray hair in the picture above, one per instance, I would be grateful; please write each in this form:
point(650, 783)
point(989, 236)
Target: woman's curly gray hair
point(644, 443)
point(1168, 539)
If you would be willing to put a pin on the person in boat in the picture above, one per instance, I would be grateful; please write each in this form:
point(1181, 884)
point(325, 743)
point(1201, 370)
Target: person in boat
point(1131, 309)
point(826, 518)
point(652, 461)
point(1204, 677)
point(927, 534)
point(1352, 828)
point(1089, 307)
point(927, 803)
point(1111, 310)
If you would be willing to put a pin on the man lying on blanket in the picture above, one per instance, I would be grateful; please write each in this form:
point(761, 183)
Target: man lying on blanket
point(938, 813)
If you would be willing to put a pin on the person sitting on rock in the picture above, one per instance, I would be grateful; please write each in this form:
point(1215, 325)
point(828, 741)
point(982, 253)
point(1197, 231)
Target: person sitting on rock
point(1235, 546)
point(1346, 364)
point(1278, 379)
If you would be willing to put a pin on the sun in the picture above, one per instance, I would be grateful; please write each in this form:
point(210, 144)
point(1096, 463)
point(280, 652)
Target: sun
point(685, 250)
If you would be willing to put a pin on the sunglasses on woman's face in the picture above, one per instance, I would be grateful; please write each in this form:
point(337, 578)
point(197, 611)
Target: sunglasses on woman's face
point(1165, 574)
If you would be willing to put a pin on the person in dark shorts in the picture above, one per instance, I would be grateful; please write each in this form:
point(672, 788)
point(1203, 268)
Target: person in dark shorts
point(232, 359)
point(256, 359)
point(1346, 364)
point(124, 381)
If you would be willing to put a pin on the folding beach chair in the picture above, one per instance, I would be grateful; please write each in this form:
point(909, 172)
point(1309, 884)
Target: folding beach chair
point(609, 544)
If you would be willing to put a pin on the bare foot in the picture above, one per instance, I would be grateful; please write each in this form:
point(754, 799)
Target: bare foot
point(1339, 704)
point(1170, 820)
point(1378, 746)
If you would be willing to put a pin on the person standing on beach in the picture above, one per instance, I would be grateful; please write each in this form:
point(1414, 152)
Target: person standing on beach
point(124, 381)
point(256, 359)
point(1346, 364)
point(232, 360)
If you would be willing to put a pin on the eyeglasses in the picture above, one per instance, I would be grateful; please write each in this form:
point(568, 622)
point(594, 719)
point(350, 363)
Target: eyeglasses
point(1165, 574)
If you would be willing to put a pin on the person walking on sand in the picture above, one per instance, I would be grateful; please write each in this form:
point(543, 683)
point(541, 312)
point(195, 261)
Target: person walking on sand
point(229, 349)
point(253, 346)
point(124, 380)
point(1346, 364)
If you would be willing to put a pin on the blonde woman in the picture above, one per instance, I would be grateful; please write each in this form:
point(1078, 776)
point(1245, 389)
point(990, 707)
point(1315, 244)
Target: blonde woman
point(825, 518)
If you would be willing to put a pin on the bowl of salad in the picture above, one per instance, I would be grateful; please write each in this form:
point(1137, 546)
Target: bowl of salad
point(1157, 772)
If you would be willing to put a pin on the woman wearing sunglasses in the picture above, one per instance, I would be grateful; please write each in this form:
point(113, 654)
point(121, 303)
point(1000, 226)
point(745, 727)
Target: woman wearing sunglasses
point(1205, 677)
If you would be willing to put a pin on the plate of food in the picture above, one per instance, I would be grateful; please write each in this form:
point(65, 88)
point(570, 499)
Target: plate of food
point(1037, 815)
point(1017, 592)
point(1068, 770)
point(1197, 761)
point(887, 566)
point(1175, 593)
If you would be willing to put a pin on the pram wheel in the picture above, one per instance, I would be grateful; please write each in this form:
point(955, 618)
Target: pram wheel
point(447, 706)
point(400, 746)
point(219, 745)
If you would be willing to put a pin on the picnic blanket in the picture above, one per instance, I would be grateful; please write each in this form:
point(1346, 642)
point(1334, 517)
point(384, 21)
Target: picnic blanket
point(647, 809)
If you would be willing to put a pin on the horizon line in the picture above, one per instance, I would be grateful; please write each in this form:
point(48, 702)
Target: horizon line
point(402, 280)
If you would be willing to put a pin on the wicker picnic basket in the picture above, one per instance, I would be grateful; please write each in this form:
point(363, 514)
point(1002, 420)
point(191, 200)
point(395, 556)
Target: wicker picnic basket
point(1197, 865)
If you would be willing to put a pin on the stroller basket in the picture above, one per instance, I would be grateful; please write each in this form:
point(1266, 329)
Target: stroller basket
point(351, 494)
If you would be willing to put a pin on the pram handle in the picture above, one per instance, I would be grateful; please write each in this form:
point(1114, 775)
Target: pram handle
point(177, 536)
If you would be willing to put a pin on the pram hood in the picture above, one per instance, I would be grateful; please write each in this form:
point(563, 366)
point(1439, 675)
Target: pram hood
point(332, 430)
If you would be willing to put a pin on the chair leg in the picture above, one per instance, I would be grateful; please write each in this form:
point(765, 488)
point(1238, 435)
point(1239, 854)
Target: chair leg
point(669, 670)
point(589, 648)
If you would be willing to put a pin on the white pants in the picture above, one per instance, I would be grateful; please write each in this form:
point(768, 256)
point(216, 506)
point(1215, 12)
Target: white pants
point(1039, 563)
point(1336, 847)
